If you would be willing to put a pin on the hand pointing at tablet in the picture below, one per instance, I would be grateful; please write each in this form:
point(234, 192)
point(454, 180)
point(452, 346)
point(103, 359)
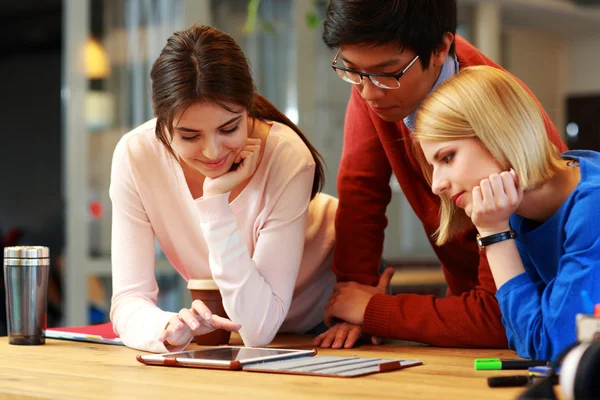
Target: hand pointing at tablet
point(194, 321)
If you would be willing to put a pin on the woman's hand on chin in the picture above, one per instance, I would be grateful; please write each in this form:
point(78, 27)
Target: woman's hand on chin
point(494, 201)
point(247, 163)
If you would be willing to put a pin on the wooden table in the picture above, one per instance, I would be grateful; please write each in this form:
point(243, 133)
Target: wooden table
point(66, 369)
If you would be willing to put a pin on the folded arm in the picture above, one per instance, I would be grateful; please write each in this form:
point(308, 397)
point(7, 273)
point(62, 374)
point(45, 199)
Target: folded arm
point(466, 317)
point(540, 318)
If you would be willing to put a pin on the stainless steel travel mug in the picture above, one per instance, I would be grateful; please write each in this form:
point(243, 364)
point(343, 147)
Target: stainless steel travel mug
point(26, 271)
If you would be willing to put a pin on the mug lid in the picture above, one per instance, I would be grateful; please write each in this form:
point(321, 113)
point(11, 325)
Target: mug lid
point(202, 284)
point(26, 252)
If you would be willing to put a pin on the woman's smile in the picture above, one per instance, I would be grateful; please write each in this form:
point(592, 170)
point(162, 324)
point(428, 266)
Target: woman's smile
point(215, 164)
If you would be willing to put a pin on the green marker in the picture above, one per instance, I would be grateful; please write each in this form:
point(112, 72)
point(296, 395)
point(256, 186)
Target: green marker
point(482, 364)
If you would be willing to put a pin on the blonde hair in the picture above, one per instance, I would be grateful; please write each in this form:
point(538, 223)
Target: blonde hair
point(488, 104)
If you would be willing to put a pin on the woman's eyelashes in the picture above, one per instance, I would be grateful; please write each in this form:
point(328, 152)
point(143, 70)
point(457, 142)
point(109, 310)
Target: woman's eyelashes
point(189, 138)
point(447, 158)
point(231, 130)
point(223, 131)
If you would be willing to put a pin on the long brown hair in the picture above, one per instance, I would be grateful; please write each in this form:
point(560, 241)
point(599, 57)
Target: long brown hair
point(204, 64)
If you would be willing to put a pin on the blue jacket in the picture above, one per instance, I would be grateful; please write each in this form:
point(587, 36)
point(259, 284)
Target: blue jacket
point(561, 258)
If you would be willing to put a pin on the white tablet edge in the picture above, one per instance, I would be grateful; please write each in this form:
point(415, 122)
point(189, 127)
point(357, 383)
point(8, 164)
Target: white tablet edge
point(290, 353)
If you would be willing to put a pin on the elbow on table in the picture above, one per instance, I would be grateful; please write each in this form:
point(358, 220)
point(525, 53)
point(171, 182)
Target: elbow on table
point(544, 348)
point(535, 353)
point(113, 316)
point(257, 338)
point(552, 350)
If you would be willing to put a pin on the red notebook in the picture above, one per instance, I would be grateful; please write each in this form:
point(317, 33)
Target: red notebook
point(100, 333)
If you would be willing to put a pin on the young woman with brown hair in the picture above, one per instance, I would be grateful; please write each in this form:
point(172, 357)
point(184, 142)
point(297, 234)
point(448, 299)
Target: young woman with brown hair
point(230, 189)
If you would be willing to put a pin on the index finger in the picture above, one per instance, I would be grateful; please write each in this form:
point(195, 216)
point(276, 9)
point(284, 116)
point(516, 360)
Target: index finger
point(477, 198)
point(385, 279)
point(510, 187)
point(317, 341)
point(199, 307)
point(329, 336)
point(353, 337)
point(515, 177)
point(172, 326)
point(223, 323)
point(341, 336)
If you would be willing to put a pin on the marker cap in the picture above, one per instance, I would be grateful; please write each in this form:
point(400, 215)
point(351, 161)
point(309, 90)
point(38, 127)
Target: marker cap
point(488, 364)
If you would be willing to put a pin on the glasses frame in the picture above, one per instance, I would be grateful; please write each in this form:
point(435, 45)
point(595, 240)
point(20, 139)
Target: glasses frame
point(368, 75)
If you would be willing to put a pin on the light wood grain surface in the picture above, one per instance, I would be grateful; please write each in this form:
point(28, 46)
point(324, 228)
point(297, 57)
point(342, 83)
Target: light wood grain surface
point(65, 370)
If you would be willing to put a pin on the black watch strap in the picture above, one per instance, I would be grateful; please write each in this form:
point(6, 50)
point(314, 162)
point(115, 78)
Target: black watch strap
point(498, 237)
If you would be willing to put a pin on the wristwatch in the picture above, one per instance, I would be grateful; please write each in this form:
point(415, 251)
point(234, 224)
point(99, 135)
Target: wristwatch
point(498, 237)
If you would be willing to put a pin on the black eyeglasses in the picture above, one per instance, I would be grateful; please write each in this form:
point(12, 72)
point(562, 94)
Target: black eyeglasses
point(384, 81)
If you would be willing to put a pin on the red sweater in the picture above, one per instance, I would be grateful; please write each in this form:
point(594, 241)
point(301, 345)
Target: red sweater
point(469, 315)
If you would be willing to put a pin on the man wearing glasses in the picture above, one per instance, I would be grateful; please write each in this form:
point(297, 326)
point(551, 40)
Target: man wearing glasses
point(394, 53)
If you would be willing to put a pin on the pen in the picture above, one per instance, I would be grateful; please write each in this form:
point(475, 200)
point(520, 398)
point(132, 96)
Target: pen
point(496, 364)
point(543, 370)
point(509, 381)
point(518, 380)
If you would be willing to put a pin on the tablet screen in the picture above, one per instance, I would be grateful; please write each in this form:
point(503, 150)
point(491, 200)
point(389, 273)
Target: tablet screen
point(227, 355)
point(232, 353)
point(224, 356)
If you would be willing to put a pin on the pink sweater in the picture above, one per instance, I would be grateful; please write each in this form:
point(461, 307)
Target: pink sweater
point(269, 250)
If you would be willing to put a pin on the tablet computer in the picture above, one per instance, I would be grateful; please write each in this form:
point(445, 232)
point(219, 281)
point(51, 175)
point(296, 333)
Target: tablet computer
point(222, 357)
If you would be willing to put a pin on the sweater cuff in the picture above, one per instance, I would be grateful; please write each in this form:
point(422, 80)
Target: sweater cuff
point(164, 347)
point(154, 345)
point(214, 207)
point(376, 321)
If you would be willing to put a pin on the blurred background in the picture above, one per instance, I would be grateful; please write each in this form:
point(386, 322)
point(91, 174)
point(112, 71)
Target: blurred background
point(75, 77)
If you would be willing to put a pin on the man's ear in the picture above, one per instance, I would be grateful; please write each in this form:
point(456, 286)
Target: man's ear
point(439, 55)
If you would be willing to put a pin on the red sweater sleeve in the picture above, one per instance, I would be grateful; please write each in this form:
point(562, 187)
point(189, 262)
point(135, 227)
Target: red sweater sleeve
point(468, 316)
point(364, 192)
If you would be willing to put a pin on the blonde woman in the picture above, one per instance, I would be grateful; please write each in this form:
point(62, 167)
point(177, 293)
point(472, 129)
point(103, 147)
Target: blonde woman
point(486, 154)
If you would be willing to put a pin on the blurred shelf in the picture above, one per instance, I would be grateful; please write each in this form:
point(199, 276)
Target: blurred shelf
point(557, 17)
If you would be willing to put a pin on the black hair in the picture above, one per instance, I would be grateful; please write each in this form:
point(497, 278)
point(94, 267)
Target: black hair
point(418, 25)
